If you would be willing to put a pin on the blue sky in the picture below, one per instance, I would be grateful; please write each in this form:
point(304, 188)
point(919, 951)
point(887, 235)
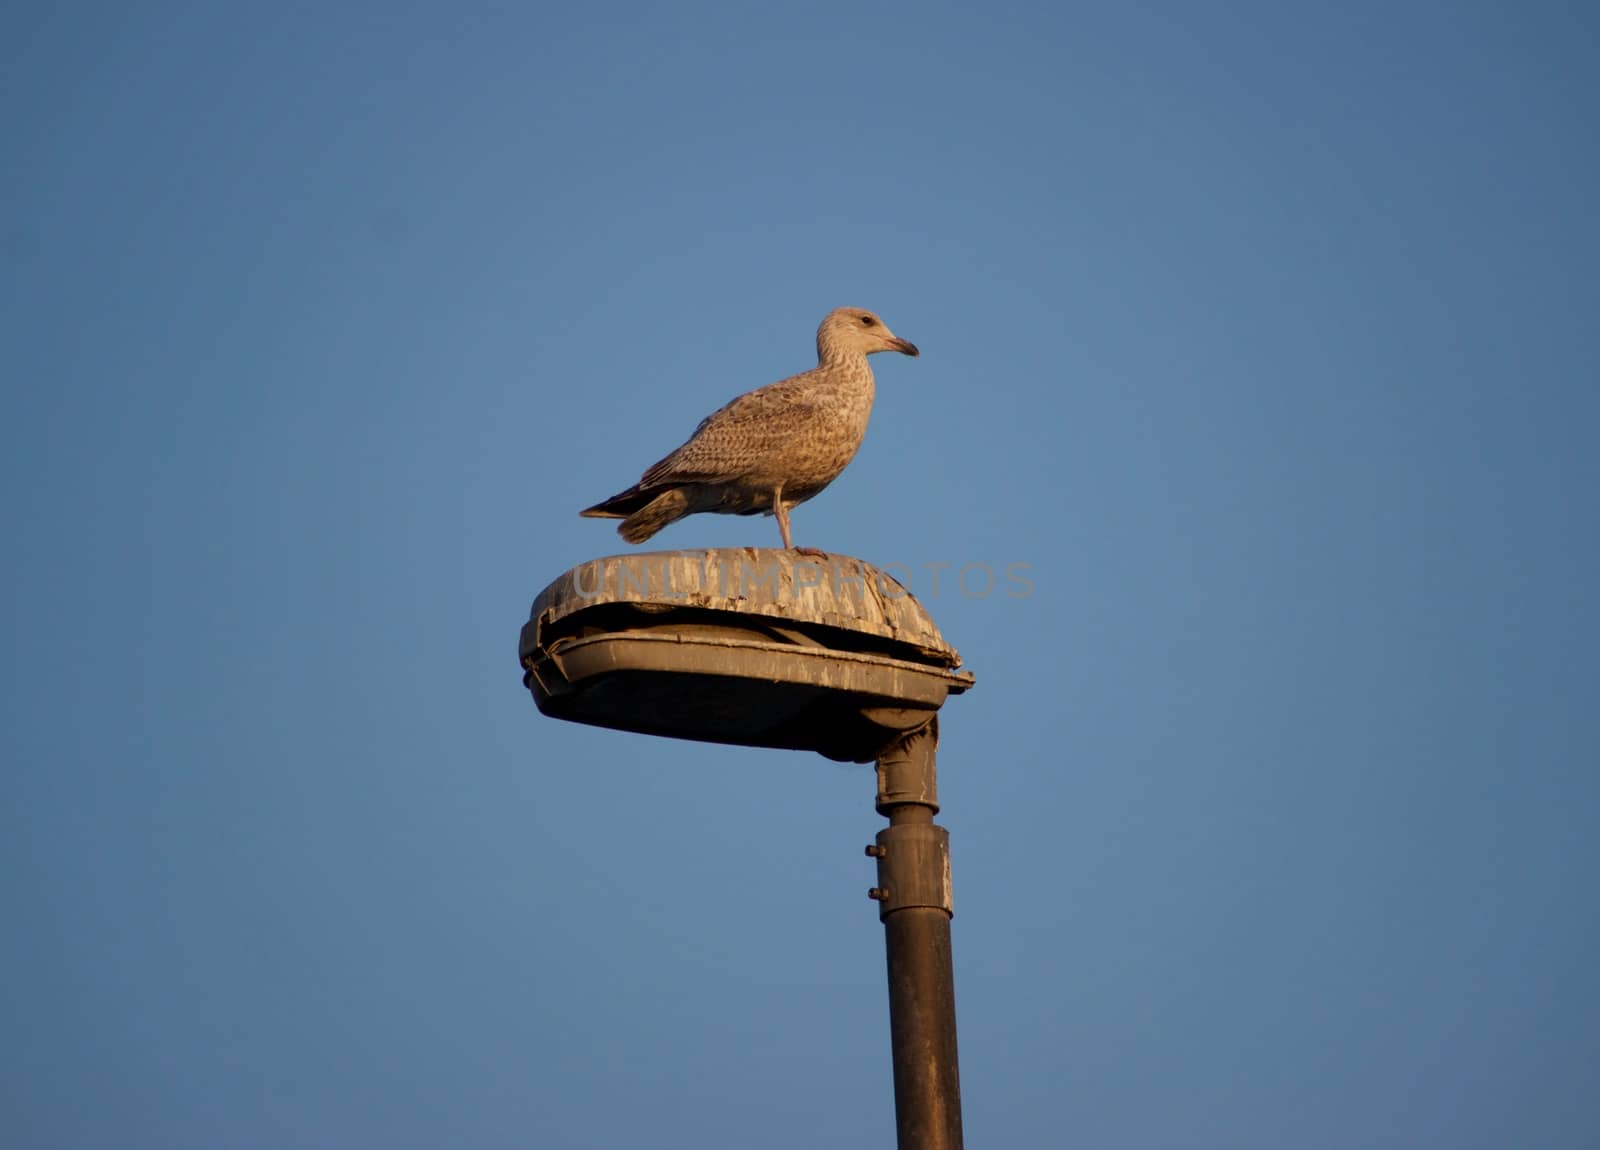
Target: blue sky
point(1263, 334)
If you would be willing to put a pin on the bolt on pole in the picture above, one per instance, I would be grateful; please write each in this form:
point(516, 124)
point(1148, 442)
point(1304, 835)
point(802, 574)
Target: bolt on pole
point(915, 906)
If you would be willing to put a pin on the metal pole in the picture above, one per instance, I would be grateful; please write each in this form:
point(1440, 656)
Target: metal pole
point(914, 903)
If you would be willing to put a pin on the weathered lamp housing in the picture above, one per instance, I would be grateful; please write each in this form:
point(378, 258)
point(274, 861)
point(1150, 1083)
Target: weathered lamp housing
point(749, 646)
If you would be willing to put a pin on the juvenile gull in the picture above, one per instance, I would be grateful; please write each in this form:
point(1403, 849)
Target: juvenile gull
point(772, 448)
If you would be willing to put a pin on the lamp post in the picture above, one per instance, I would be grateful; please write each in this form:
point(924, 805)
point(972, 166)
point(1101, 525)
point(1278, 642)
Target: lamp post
point(768, 648)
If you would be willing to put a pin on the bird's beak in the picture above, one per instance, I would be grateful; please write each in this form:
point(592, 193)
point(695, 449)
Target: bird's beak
point(904, 346)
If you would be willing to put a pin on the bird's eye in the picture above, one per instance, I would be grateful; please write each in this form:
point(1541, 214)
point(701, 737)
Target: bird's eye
point(868, 321)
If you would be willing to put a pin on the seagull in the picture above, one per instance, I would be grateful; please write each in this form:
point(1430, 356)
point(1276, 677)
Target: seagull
point(772, 448)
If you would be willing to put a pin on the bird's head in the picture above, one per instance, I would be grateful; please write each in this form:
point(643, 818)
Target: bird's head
point(855, 331)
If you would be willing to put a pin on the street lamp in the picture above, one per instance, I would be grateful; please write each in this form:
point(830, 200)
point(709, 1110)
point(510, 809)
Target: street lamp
point(768, 648)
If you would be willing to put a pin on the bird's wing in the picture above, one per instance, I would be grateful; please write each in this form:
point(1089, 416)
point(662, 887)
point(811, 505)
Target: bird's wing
point(736, 436)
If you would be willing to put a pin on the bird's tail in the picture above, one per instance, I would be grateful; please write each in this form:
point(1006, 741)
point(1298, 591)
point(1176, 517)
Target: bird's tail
point(642, 513)
point(665, 508)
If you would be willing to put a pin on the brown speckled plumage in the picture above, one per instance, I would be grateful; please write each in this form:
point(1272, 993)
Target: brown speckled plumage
point(771, 448)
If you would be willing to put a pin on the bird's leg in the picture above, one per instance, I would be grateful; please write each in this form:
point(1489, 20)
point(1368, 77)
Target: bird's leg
point(783, 525)
point(782, 513)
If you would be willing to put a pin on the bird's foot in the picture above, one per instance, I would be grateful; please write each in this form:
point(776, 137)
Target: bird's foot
point(811, 551)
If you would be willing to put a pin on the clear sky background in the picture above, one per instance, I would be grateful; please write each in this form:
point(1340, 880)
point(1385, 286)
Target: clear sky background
point(1265, 334)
